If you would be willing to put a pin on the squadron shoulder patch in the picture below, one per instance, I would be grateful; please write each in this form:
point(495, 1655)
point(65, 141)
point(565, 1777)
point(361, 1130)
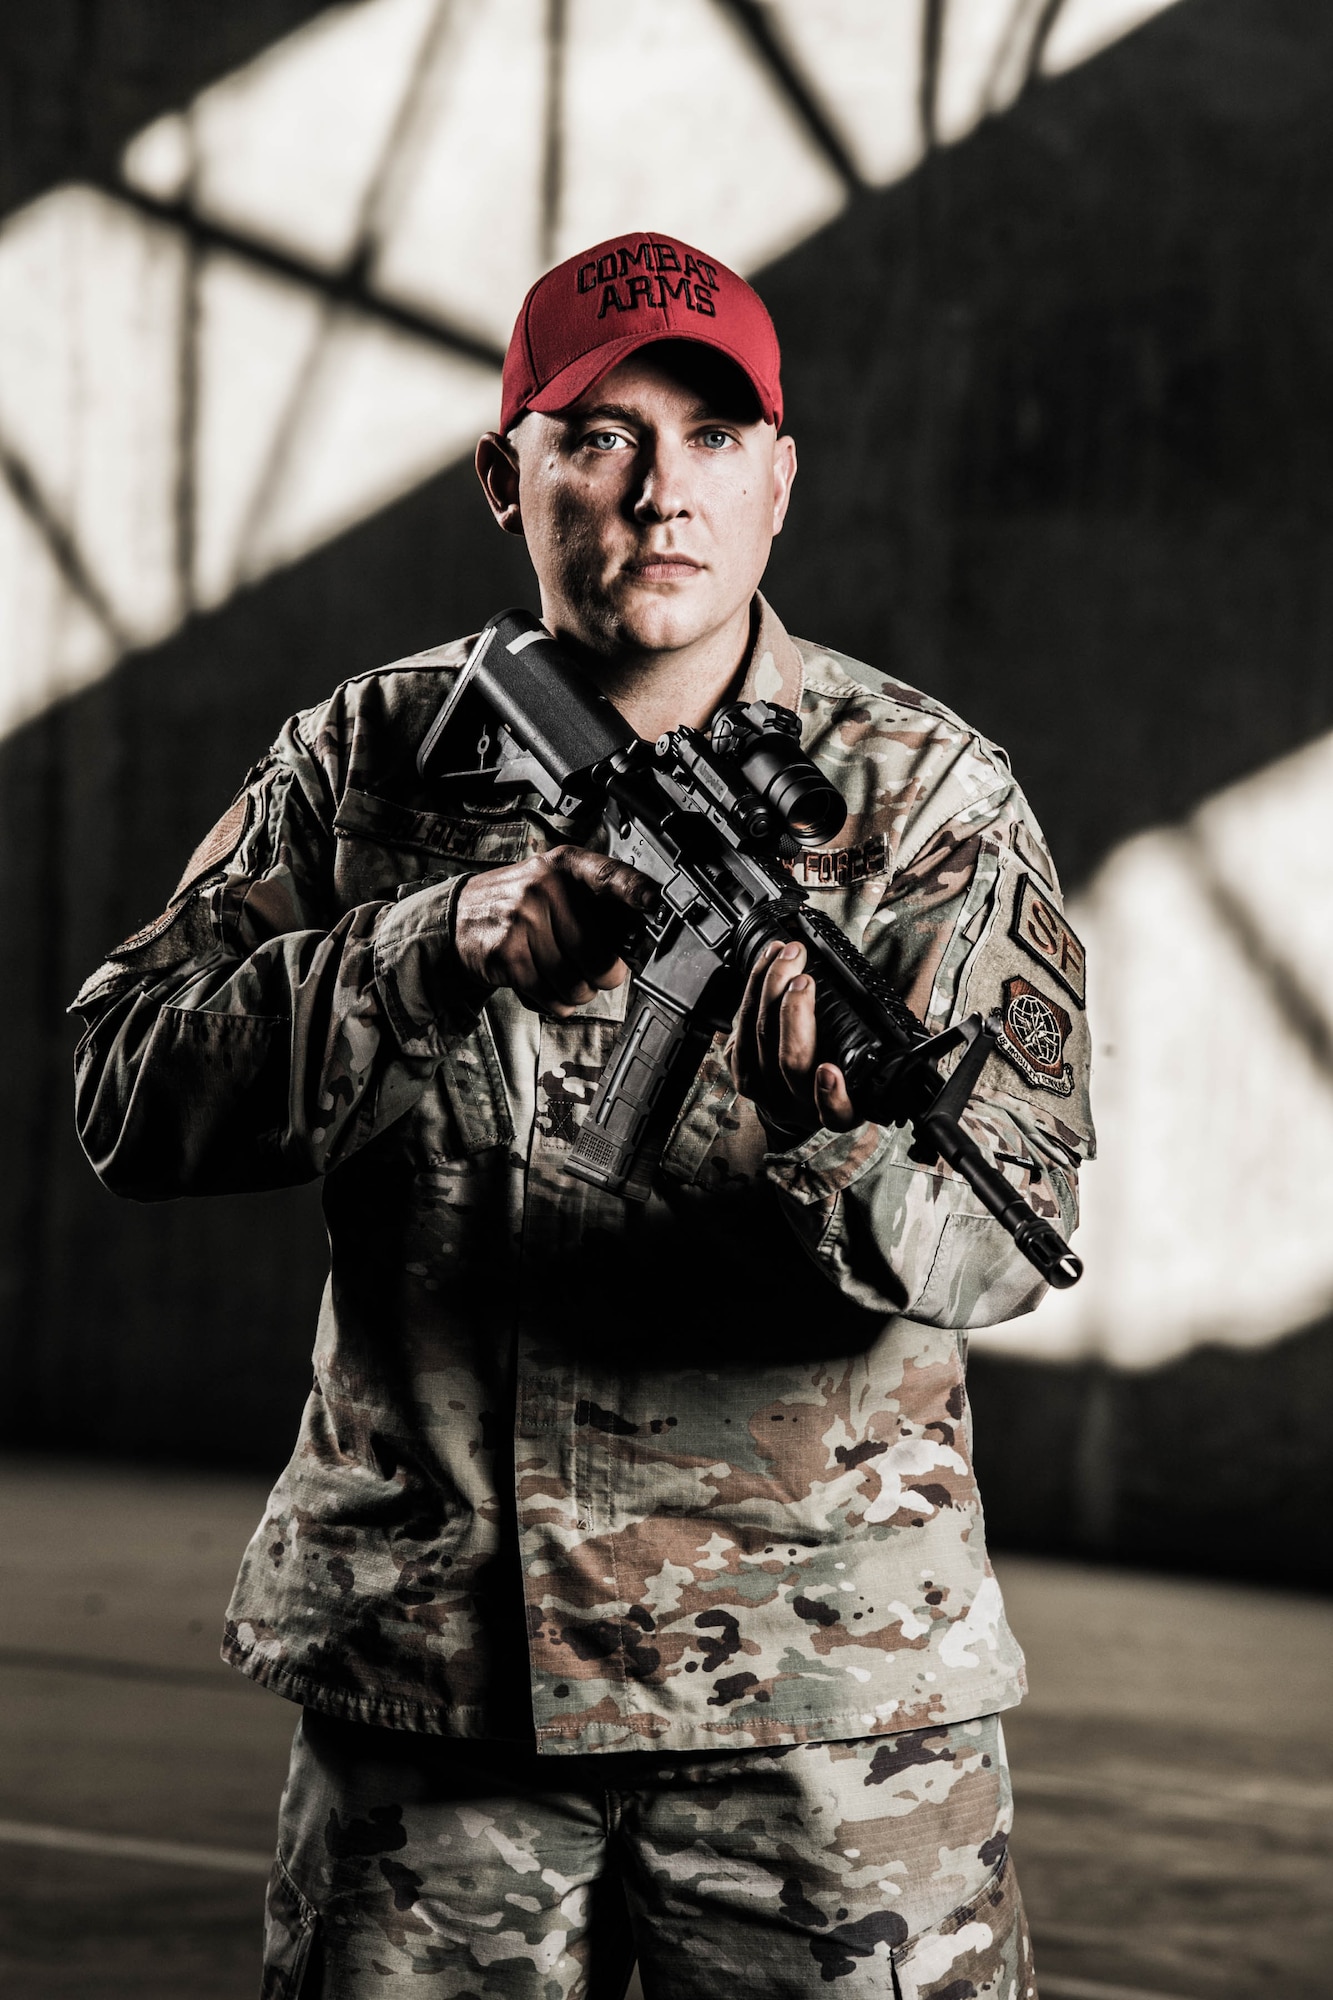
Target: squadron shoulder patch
point(1033, 1036)
point(1039, 927)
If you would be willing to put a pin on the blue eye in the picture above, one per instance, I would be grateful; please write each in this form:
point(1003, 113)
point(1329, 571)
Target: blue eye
point(603, 440)
point(715, 439)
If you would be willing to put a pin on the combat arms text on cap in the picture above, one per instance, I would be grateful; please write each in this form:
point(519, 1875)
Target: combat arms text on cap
point(594, 309)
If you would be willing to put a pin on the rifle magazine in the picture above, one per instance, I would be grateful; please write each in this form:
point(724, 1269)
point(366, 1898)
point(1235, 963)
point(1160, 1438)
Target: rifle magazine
point(639, 1096)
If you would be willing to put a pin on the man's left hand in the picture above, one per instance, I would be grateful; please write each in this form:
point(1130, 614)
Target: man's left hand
point(773, 1050)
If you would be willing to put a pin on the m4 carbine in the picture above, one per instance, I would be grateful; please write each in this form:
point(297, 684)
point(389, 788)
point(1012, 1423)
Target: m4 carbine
point(711, 819)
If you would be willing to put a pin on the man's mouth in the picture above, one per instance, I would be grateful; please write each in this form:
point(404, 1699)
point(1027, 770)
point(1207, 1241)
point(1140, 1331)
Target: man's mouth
point(663, 569)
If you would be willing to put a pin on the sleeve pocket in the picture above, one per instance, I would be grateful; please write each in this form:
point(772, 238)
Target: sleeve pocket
point(981, 1951)
point(291, 1937)
point(979, 1277)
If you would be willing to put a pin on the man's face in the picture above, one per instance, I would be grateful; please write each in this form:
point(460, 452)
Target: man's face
point(650, 505)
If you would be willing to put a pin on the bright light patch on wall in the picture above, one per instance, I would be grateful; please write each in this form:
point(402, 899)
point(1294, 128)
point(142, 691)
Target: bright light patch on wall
point(289, 146)
point(462, 203)
point(309, 419)
point(51, 642)
point(982, 61)
point(384, 412)
point(91, 401)
point(864, 60)
point(257, 338)
point(1206, 1216)
point(671, 124)
point(160, 159)
point(1083, 28)
point(863, 57)
point(90, 392)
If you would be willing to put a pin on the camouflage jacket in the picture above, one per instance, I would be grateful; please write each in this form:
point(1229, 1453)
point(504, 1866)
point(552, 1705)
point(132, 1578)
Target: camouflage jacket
point(689, 1475)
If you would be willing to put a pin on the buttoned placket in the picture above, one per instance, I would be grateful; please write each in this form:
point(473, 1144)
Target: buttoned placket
point(563, 1474)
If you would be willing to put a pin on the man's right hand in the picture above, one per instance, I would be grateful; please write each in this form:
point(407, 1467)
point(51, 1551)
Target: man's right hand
point(552, 928)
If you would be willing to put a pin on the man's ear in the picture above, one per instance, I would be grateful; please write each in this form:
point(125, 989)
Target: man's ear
point(784, 472)
point(497, 469)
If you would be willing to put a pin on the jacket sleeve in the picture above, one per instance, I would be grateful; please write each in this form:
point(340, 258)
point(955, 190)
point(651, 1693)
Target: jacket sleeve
point(257, 1034)
point(971, 922)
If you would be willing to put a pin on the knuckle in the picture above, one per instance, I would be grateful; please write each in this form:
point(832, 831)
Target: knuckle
point(534, 889)
point(566, 859)
point(540, 872)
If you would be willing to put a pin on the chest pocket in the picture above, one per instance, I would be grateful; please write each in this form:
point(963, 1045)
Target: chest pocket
point(388, 850)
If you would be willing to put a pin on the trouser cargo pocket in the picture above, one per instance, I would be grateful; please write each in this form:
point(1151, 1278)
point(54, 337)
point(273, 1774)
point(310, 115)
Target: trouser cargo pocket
point(291, 1931)
point(981, 1951)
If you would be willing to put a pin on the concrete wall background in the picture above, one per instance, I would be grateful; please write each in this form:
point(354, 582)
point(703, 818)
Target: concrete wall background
point(1062, 398)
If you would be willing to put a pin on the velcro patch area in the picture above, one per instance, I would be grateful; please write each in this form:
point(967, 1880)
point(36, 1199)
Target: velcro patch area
point(217, 846)
point(183, 932)
point(1026, 966)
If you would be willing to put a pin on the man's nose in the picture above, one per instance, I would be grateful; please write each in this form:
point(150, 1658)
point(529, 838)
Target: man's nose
point(664, 487)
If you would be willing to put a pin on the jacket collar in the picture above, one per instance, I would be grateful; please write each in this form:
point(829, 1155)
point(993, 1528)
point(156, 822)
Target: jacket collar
point(775, 670)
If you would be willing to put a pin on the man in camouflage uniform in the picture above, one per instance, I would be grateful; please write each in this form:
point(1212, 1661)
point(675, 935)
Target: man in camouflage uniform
point(629, 1567)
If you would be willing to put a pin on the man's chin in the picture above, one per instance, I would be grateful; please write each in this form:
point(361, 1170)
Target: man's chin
point(663, 617)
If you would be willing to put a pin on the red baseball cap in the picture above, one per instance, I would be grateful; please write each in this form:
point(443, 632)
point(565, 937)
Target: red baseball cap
point(591, 311)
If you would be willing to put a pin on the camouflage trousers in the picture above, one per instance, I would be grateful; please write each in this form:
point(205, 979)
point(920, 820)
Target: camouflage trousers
point(877, 1866)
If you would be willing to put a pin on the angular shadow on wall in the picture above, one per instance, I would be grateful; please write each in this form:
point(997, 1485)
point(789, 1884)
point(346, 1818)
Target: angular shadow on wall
point(1063, 402)
point(77, 81)
point(182, 1330)
point(1060, 401)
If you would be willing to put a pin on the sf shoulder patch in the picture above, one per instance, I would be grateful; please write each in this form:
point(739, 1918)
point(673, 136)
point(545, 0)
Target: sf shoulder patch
point(1039, 927)
point(1033, 1036)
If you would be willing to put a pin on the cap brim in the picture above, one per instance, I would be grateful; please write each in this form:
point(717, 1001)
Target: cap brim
point(574, 381)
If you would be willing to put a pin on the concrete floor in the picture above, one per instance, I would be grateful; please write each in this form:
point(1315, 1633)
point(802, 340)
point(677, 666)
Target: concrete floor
point(1173, 1766)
